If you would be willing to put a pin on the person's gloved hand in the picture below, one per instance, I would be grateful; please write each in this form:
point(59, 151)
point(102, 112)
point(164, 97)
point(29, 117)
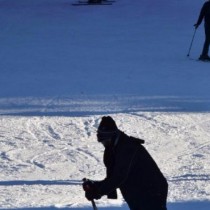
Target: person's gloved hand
point(91, 191)
point(196, 26)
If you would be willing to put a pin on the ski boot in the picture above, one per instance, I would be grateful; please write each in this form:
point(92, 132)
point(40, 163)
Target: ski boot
point(204, 58)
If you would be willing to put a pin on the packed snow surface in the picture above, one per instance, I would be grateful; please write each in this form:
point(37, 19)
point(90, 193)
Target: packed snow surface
point(63, 67)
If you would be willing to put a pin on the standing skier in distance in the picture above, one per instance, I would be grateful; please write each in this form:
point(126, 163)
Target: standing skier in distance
point(130, 168)
point(205, 14)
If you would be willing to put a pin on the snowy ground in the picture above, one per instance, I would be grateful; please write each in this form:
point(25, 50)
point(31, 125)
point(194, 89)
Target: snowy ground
point(63, 67)
point(43, 159)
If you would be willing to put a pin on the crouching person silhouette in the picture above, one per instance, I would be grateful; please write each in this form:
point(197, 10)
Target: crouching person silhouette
point(130, 168)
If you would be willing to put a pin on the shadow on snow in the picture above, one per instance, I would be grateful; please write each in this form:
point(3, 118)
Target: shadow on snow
point(40, 182)
point(98, 105)
point(188, 205)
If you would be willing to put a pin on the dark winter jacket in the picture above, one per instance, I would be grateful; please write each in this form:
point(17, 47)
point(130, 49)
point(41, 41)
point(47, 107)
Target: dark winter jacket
point(131, 169)
point(205, 13)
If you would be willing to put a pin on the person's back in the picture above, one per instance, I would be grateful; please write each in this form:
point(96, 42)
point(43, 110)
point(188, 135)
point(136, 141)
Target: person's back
point(144, 181)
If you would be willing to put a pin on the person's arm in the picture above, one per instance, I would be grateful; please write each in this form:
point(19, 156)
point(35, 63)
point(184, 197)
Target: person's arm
point(201, 16)
point(123, 165)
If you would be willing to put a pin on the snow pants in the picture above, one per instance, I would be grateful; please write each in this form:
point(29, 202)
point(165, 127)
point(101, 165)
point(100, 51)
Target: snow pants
point(151, 202)
point(207, 41)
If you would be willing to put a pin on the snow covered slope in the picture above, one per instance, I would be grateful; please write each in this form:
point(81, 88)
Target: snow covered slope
point(63, 67)
point(43, 159)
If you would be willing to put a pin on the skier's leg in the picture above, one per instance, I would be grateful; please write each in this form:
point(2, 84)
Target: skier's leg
point(205, 51)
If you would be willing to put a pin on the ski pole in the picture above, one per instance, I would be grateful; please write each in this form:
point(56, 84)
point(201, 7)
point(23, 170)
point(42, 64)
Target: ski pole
point(92, 201)
point(191, 42)
point(94, 205)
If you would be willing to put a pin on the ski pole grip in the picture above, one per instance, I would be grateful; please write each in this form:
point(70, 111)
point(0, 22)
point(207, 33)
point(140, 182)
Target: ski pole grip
point(85, 185)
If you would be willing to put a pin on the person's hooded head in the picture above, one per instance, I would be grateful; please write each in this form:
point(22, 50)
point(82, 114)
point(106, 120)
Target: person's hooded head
point(107, 131)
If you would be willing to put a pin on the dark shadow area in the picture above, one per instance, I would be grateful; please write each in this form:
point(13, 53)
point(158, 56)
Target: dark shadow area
point(49, 43)
point(40, 182)
point(190, 177)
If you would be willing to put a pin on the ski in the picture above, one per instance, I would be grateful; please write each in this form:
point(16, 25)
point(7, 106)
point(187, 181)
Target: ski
point(91, 4)
point(197, 59)
point(204, 61)
point(102, 2)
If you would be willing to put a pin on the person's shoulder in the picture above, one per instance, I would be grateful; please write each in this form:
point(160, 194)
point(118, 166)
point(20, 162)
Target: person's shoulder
point(137, 140)
point(129, 140)
point(207, 3)
point(206, 6)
